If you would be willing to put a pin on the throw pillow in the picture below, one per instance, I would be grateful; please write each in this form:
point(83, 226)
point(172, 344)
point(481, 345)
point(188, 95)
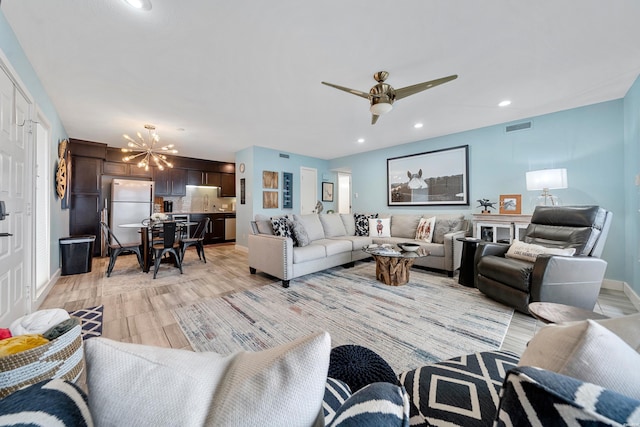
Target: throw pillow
point(49, 402)
point(263, 223)
point(589, 352)
point(530, 251)
point(349, 224)
point(403, 225)
point(281, 226)
point(335, 393)
point(379, 227)
point(312, 225)
point(424, 231)
point(362, 223)
point(378, 404)
point(300, 234)
point(180, 387)
point(447, 224)
point(332, 225)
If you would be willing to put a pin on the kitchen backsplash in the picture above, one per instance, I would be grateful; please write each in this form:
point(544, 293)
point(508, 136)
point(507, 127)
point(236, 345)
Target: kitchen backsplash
point(202, 199)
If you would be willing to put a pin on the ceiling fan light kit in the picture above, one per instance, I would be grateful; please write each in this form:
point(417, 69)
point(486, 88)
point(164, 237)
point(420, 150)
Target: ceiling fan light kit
point(382, 95)
point(147, 150)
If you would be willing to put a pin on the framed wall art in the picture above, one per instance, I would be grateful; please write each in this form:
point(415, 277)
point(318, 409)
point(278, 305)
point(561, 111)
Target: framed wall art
point(269, 179)
point(269, 199)
point(287, 190)
point(327, 191)
point(510, 204)
point(243, 190)
point(438, 177)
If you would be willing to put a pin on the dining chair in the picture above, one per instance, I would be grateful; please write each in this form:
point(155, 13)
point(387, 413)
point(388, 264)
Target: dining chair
point(115, 248)
point(168, 245)
point(197, 240)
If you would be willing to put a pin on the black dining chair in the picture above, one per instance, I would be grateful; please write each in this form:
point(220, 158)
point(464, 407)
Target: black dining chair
point(168, 245)
point(115, 248)
point(197, 240)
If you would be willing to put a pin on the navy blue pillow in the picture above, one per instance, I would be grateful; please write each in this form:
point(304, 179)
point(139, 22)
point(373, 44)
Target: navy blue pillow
point(378, 404)
point(49, 402)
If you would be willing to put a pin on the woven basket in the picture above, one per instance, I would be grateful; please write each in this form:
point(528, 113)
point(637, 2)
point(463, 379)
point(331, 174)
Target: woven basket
point(62, 357)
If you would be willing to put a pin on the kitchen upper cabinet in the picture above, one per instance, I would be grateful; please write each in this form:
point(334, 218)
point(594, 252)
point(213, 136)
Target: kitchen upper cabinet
point(85, 174)
point(211, 179)
point(85, 198)
point(170, 182)
point(227, 185)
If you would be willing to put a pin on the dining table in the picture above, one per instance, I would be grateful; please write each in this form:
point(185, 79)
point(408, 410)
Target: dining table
point(146, 227)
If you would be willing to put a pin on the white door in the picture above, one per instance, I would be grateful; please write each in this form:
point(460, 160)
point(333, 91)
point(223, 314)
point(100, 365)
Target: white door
point(344, 193)
point(308, 190)
point(15, 268)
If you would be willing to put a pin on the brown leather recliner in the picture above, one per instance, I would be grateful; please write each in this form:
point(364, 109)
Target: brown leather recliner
point(572, 280)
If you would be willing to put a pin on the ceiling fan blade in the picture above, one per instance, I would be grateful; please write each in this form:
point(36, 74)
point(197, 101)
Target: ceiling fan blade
point(374, 118)
point(410, 90)
point(346, 89)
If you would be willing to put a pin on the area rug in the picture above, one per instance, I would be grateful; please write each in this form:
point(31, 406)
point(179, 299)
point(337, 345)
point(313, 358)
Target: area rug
point(91, 321)
point(427, 320)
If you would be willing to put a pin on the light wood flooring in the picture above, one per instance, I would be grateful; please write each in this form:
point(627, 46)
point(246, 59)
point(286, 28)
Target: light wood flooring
point(137, 308)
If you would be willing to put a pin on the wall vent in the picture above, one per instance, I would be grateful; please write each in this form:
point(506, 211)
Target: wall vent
point(518, 126)
point(284, 156)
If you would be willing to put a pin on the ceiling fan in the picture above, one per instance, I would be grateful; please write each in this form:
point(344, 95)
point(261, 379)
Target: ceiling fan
point(382, 95)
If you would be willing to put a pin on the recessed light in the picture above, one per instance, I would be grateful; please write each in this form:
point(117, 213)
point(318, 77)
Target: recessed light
point(360, 140)
point(139, 4)
point(418, 125)
point(504, 103)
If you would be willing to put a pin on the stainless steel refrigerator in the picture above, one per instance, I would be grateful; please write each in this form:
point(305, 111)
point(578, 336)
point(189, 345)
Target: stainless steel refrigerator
point(131, 202)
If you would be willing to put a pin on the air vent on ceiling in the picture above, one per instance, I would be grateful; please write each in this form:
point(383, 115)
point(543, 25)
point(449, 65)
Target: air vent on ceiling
point(284, 156)
point(518, 126)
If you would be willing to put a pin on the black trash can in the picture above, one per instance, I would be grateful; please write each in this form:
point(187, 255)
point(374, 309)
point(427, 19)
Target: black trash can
point(77, 254)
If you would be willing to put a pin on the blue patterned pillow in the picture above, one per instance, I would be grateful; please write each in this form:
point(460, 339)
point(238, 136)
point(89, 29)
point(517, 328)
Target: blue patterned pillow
point(378, 404)
point(50, 402)
point(533, 396)
point(362, 223)
point(335, 394)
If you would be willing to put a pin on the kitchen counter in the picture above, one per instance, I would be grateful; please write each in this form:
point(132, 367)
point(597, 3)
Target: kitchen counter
point(200, 212)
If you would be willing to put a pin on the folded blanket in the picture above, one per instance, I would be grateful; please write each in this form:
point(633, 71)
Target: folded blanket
point(15, 345)
point(61, 328)
point(38, 322)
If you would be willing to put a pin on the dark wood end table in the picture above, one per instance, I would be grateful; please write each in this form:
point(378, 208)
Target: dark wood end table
point(551, 312)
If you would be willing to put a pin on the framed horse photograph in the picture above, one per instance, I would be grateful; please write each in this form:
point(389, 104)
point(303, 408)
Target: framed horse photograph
point(439, 177)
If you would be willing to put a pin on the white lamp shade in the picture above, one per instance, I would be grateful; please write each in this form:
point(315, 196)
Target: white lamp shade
point(380, 108)
point(546, 179)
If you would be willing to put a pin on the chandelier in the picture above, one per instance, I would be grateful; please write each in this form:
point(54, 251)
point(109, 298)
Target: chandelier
point(147, 150)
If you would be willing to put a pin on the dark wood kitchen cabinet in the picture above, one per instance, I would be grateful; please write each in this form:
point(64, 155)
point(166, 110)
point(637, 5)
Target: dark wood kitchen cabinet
point(170, 182)
point(202, 178)
point(85, 198)
point(227, 185)
point(215, 230)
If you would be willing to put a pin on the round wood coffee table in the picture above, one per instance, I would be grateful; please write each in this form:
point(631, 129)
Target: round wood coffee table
point(551, 312)
point(393, 264)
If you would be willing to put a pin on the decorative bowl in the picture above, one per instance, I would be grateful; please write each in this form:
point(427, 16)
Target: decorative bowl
point(409, 247)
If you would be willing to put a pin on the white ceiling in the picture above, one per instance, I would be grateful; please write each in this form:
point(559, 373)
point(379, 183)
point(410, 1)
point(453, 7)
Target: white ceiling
point(234, 74)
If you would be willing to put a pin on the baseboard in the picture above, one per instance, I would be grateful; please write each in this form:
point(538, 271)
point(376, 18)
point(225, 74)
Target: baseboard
point(618, 285)
point(242, 248)
point(37, 301)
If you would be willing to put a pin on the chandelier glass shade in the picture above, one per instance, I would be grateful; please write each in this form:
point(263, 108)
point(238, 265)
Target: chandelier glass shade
point(146, 151)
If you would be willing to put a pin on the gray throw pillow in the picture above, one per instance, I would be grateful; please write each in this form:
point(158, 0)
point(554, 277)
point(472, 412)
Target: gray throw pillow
point(446, 224)
point(300, 234)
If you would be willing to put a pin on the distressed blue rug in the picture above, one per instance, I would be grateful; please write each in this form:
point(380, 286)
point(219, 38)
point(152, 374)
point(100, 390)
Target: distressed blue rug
point(427, 320)
point(91, 321)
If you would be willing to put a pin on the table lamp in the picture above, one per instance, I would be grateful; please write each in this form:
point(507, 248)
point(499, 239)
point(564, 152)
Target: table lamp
point(545, 180)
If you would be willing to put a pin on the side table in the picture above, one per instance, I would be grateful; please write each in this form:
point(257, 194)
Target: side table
point(469, 245)
point(551, 312)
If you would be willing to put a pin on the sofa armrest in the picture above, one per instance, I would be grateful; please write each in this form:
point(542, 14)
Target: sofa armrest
point(533, 396)
point(453, 249)
point(571, 280)
point(272, 255)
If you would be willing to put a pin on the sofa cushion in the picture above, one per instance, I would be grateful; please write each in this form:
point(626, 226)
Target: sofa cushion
point(362, 223)
point(335, 246)
point(447, 224)
point(529, 252)
point(462, 391)
point(310, 252)
point(311, 224)
point(300, 235)
point(357, 242)
point(379, 227)
point(332, 225)
point(589, 352)
point(625, 327)
point(46, 403)
point(515, 272)
point(349, 224)
point(404, 225)
point(179, 387)
point(263, 223)
point(424, 230)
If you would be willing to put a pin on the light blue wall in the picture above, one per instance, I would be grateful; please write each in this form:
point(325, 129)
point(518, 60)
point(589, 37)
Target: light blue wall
point(588, 141)
point(259, 159)
point(632, 190)
point(12, 51)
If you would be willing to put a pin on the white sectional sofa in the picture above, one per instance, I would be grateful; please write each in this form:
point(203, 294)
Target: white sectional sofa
point(332, 241)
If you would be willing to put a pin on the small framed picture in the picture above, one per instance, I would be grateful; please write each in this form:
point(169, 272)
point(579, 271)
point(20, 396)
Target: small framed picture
point(510, 204)
point(327, 191)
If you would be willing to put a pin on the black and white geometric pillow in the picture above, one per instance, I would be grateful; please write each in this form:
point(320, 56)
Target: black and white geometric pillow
point(533, 396)
point(50, 402)
point(362, 223)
